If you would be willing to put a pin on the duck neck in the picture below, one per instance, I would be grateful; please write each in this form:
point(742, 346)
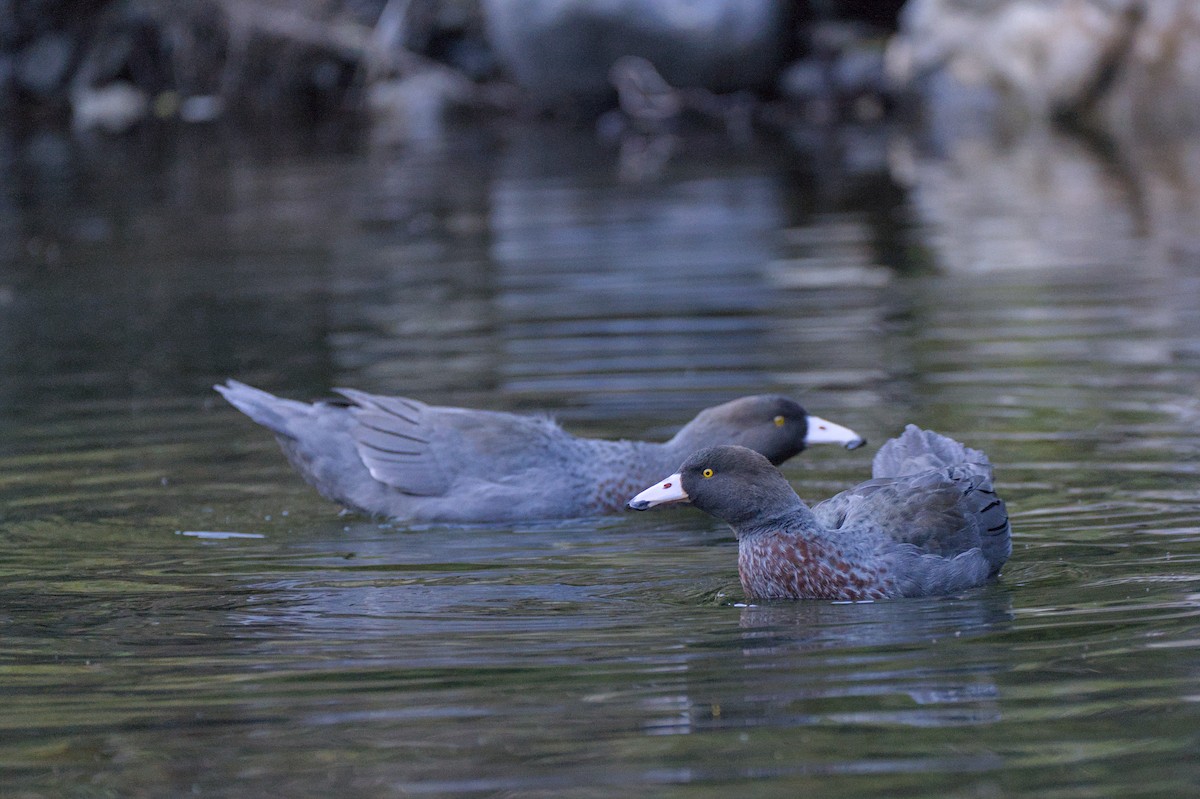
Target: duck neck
point(771, 516)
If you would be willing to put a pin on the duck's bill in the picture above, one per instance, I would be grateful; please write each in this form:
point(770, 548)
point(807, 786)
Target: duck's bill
point(823, 431)
point(664, 493)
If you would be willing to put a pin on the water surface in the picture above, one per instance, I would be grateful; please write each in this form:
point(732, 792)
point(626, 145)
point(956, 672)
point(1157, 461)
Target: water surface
point(144, 651)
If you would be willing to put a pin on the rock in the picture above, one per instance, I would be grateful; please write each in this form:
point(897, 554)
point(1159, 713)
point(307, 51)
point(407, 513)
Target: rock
point(1157, 89)
point(413, 109)
point(838, 91)
point(201, 108)
point(1044, 55)
point(859, 71)
point(805, 80)
point(841, 75)
point(1116, 64)
point(642, 93)
point(563, 49)
point(114, 108)
point(42, 67)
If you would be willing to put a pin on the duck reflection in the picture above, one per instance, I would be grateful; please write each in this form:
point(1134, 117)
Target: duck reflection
point(918, 663)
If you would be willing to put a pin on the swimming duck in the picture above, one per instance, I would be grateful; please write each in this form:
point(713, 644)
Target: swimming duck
point(929, 521)
point(404, 459)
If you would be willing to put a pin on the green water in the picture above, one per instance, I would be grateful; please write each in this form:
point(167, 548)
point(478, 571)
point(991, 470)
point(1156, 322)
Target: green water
point(318, 654)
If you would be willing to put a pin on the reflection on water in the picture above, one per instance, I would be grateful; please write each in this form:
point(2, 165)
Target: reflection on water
point(1038, 299)
point(1049, 201)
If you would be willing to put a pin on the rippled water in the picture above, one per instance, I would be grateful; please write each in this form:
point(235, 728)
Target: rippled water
point(144, 651)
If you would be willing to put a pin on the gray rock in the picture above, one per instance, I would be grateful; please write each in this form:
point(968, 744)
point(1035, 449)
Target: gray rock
point(842, 76)
point(805, 80)
point(1117, 64)
point(414, 108)
point(859, 71)
point(42, 66)
point(200, 108)
point(114, 108)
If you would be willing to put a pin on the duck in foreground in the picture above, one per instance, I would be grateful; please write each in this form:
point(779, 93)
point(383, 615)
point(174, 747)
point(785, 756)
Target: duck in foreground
point(927, 523)
point(397, 457)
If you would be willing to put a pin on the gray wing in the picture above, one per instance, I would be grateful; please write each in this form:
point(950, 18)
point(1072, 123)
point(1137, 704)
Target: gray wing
point(832, 513)
point(983, 504)
point(921, 510)
point(430, 450)
point(945, 513)
point(394, 437)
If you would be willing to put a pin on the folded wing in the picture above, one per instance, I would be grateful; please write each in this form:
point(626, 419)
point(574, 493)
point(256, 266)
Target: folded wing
point(394, 437)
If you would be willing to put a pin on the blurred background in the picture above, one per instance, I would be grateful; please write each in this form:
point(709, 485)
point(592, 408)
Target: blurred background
point(411, 169)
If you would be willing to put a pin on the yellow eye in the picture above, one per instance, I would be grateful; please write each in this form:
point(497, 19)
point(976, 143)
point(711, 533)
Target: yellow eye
point(707, 473)
point(779, 420)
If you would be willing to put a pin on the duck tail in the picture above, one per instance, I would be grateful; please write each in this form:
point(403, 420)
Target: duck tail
point(991, 515)
point(274, 413)
point(917, 450)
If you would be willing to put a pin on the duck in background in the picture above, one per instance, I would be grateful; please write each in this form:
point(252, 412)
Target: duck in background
point(404, 459)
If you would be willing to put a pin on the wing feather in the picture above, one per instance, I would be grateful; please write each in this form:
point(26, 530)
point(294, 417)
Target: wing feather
point(393, 437)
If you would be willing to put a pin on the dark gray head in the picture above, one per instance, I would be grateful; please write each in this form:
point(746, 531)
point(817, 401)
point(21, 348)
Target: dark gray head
point(769, 424)
point(735, 484)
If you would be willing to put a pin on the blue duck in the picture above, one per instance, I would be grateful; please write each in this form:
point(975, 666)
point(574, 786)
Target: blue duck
point(401, 458)
point(927, 523)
